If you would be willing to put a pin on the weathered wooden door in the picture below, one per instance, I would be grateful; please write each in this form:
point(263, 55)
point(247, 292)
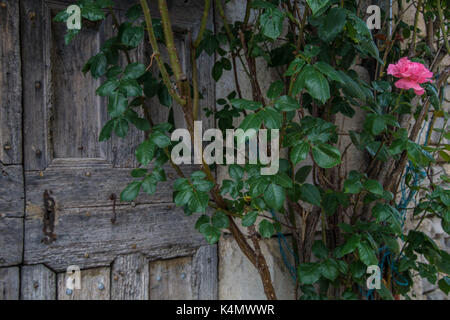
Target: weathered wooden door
point(71, 180)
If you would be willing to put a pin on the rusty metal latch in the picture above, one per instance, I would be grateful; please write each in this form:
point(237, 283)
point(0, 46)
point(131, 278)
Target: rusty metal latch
point(113, 198)
point(49, 218)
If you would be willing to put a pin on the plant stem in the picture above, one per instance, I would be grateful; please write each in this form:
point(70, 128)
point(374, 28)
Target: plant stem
point(157, 54)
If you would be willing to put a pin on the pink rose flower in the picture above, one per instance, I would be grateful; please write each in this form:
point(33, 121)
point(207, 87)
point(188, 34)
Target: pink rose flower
point(412, 74)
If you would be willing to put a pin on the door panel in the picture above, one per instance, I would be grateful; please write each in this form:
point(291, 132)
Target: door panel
point(37, 283)
point(95, 285)
point(73, 181)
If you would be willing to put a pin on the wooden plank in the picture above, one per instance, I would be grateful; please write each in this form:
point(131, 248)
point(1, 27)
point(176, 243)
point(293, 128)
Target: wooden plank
point(130, 278)
point(95, 285)
point(11, 241)
point(10, 84)
point(88, 238)
point(91, 187)
point(34, 75)
point(76, 111)
point(171, 279)
point(37, 283)
point(11, 191)
point(9, 283)
point(204, 273)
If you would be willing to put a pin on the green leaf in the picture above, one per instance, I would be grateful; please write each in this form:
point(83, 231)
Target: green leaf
point(151, 87)
point(384, 292)
point(330, 202)
point(282, 179)
point(286, 103)
point(134, 71)
point(134, 12)
point(107, 88)
point(217, 70)
point(295, 67)
point(310, 194)
point(309, 273)
point(131, 191)
point(357, 269)
point(317, 85)
point(352, 186)
point(266, 229)
point(149, 185)
point(375, 124)
point(140, 123)
point(319, 249)
point(272, 119)
point(98, 65)
point(271, 22)
point(326, 156)
point(199, 202)
point(318, 5)
point(145, 152)
point(62, 16)
point(366, 254)
point(329, 269)
point(374, 186)
point(130, 88)
point(121, 128)
point(303, 173)
point(246, 104)
point(183, 197)
point(117, 105)
point(160, 139)
point(220, 220)
point(299, 152)
point(417, 155)
point(211, 233)
point(351, 87)
point(251, 121)
point(329, 71)
point(164, 96)
point(333, 24)
point(132, 36)
point(384, 212)
point(249, 219)
point(138, 173)
point(444, 284)
point(92, 12)
point(204, 219)
point(107, 130)
point(198, 175)
point(350, 245)
point(236, 172)
point(274, 196)
point(275, 89)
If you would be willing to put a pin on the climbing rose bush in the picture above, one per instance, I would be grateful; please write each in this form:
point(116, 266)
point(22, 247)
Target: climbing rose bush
point(342, 217)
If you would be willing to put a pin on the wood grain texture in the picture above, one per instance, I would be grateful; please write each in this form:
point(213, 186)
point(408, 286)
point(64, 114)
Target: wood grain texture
point(76, 110)
point(204, 273)
point(11, 241)
point(91, 187)
point(11, 191)
point(37, 283)
point(10, 84)
point(95, 285)
point(86, 237)
point(130, 278)
point(34, 71)
point(9, 283)
point(171, 279)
